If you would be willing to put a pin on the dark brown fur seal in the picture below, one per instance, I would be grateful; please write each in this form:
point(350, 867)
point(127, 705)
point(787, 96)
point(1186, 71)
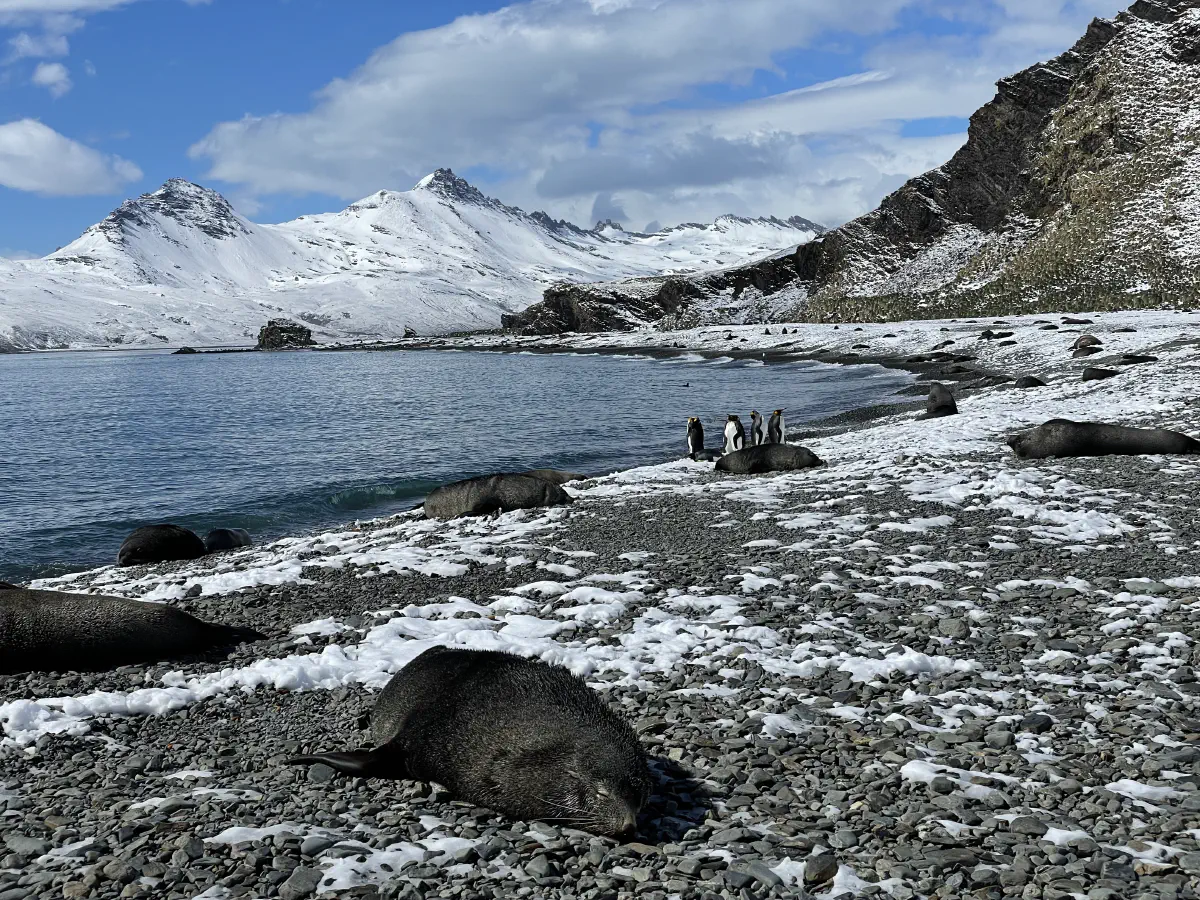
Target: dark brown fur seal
point(1086, 340)
point(227, 539)
point(159, 543)
point(519, 736)
point(1029, 381)
point(1062, 437)
point(47, 631)
point(940, 402)
point(1091, 373)
point(493, 493)
point(556, 476)
point(768, 458)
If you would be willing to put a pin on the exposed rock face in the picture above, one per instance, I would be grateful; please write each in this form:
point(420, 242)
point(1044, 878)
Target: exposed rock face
point(622, 305)
point(1078, 188)
point(281, 334)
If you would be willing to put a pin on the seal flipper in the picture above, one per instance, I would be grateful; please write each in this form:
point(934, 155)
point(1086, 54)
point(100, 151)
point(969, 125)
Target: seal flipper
point(361, 764)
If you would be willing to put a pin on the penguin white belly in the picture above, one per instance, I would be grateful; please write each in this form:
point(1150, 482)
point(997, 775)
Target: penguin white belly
point(730, 437)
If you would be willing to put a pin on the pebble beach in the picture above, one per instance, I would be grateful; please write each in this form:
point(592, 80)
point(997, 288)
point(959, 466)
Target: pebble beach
point(926, 669)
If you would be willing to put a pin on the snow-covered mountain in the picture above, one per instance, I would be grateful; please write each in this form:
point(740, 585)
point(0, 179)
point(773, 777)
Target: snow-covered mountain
point(180, 266)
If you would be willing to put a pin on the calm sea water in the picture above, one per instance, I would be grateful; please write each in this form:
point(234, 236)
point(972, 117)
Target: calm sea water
point(93, 445)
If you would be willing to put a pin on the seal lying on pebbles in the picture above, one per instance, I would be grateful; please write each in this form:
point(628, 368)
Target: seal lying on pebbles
point(555, 476)
point(227, 539)
point(1091, 373)
point(940, 402)
point(159, 543)
point(519, 736)
point(1086, 340)
point(1062, 437)
point(1029, 381)
point(493, 493)
point(768, 458)
point(47, 631)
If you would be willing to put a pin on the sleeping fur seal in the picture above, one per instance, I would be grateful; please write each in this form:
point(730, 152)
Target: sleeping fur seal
point(159, 543)
point(1062, 437)
point(768, 458)
point(227, 539)
point(47, 631)
point(519, 736)
point(556, 476)
point(493, 493)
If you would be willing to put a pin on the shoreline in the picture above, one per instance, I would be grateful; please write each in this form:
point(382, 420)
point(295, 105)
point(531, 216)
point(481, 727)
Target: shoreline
point(925, 663)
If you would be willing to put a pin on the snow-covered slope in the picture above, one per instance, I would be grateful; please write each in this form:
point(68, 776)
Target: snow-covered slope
point(179, 266)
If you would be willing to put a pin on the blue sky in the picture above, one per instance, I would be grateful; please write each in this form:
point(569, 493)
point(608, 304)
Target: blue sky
point(641, 110)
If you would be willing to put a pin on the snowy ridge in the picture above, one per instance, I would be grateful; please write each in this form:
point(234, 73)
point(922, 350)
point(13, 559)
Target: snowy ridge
point(180, 266)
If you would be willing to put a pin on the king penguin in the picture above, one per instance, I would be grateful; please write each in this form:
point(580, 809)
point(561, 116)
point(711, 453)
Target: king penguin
point(758, 428)
point(695, 436)
point(735, 435)
point(775, 429)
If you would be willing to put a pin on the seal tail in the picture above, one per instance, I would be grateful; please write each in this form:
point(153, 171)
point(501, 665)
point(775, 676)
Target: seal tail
point(361, 764)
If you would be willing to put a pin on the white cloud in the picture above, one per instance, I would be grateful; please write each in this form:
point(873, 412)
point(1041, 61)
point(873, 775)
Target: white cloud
point(54, 77)
point(35, 157)
point(603, 104)
point(25, 45)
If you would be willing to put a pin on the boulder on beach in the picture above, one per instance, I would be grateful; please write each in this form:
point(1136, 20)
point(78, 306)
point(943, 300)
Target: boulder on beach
point(283, 334)
point(159, 543)
point(489, 494)
point(768, 458)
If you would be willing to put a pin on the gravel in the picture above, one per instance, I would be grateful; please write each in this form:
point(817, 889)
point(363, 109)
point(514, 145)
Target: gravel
point(1061, 763)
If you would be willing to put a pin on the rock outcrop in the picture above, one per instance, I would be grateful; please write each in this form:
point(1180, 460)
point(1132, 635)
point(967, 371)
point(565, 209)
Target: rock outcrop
point(282, 334)
point(1078, 188)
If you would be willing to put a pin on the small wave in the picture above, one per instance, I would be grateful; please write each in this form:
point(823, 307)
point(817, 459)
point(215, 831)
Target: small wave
point(679, 360)
point(371, 496)
point(720, 361)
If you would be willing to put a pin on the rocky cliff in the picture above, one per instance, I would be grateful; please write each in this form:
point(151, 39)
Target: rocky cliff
point(1078, 189)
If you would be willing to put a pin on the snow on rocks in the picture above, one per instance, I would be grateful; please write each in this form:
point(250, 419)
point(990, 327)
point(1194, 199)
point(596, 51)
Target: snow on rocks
point(928, 669)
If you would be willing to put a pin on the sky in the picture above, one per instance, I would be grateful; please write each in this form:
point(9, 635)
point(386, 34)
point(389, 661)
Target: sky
point(642, 111)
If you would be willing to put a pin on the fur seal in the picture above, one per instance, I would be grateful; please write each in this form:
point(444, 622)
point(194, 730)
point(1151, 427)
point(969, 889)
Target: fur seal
point(1093, 374)
point(1133, 359)
point(555, 476)
point(1029, 381)
point(695, 436)
point(768, 458)
point(1062, 437)
point(1086, 340)
point(227, 539)
point(524, 738)
point(940, 402)
point(47, 631)
point(488, 494)
point(159, 543)
point(1067, 320)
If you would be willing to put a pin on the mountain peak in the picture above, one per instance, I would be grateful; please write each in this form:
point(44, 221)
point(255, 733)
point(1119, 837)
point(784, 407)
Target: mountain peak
point(446, 184)
point(188, 203)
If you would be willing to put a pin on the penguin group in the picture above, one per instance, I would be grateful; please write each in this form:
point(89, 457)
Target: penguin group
point(762, 431)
